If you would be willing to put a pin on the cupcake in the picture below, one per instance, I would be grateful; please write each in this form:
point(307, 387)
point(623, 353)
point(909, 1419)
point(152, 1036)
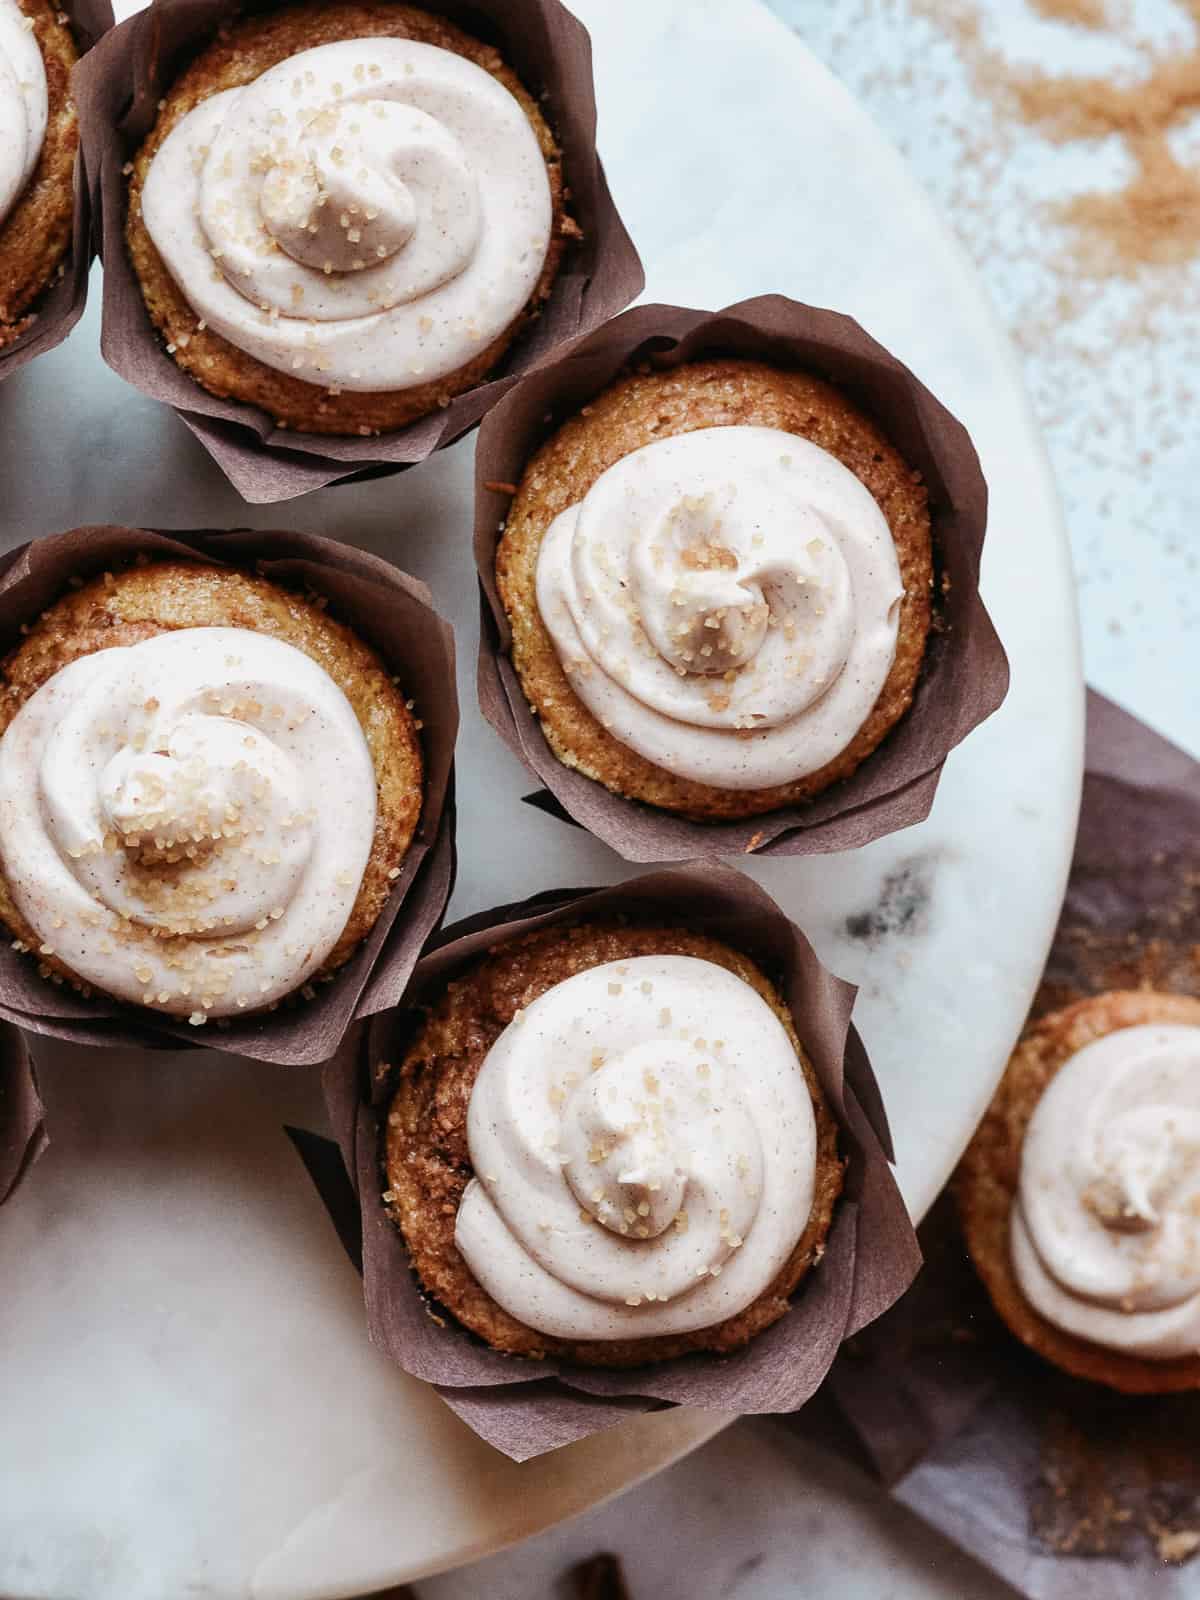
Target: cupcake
point(345, 213)
point(212, 789)
point(606, 1139)
point(607, 1144)
point(39, 136)
point(334, 230)
point(736, 552)
point(718, 582)
point(1080, 1193)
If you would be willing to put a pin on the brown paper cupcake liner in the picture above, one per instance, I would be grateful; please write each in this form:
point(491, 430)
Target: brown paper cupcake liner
point(1063, 1487)
point(525, 1407)
point(965, 674)
point(22, 1134)
point(390, 611)
point(118, 94)
point(60, 306)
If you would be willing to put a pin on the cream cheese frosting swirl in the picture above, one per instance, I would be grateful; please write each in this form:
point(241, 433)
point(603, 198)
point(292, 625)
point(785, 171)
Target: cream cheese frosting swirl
point(367, 215)
point(644, 1149)
point(185, 822)
point(1105, 1233)
point(24, 104)
point(726, 602)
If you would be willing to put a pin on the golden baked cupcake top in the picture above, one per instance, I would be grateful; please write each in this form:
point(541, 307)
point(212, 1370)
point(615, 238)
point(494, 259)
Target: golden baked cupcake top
point(718, 580)
point(1080, 1193)
point(207, 787)
point(38, 140)
point(344, 214)
point(607, 1143)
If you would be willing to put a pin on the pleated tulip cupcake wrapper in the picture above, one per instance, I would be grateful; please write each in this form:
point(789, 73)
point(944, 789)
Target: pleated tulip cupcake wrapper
point(965, 674)
point(388, 610)
point(525, 1407)
point(60, 307)
point(1063, 1487)
point(22, 1129)
point(118, 92)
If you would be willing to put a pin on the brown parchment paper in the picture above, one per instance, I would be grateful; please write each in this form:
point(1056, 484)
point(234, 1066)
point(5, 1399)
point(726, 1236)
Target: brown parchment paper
point(22, 1134)
point(1064, 1488)
point(392, 612)
point(118, 94)
point(59, 307)
point(965, 675)
point(527, 1407)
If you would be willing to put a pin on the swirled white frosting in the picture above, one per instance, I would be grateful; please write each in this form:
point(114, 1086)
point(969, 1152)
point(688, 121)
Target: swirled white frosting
point(644, 1149)
point(367, 215)
point(1105, 1232)
point(726, 603)
point(24, 105)
point(185, 822)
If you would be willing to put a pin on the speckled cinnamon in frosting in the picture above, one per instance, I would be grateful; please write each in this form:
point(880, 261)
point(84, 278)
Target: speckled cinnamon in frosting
point(726, 603)
point(205, 790)
point(635, 1175)
point(356, 204)
point(607, 1143)
point(718, 579)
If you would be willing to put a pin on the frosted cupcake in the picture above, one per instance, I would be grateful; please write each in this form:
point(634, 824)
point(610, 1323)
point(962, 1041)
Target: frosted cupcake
point(628, 1135)
point(730, 564)
point(607, 1144)
point(1080, 1193)
point(345, 213)
point(718, 582)
point(208, 788)
point(39, 138)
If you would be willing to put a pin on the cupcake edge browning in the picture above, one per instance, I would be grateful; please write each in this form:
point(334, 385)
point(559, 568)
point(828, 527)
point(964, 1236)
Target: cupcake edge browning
point(426, 1161)
point(238, 55)
point(986, 1183)
point(36, 234)
point(125, 607)
point(637, 410)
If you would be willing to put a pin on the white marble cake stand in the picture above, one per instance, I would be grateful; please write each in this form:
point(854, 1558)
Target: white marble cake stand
point(188, 1405)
